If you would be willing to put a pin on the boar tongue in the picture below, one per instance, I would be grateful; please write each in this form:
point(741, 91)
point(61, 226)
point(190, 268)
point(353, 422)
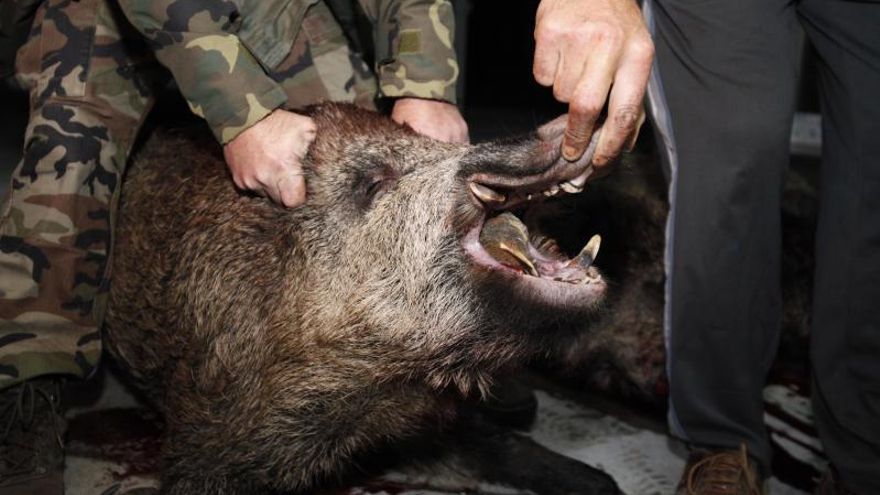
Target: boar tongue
point(506, 239)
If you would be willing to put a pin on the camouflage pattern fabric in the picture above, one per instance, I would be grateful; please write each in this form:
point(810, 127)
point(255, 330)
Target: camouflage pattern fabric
point(87, 100)
point(321, 65)
point(93, 66)
point(229, 58)
point(414, 48)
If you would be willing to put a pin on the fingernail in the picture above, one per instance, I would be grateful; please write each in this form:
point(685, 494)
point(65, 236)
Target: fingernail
point(570, 153)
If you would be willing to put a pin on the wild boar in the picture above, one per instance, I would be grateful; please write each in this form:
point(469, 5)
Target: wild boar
point(284, 346)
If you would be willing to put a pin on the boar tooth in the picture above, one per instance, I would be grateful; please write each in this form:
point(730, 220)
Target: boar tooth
point(592, 247)
point(580, 180)
point(526, 263)
point(486, 194)
point(570, 188)
point(554, 189)
point(546, 245)
point(588, 253)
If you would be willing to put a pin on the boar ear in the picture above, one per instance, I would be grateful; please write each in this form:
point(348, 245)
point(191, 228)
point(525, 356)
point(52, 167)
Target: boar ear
point(372, 181)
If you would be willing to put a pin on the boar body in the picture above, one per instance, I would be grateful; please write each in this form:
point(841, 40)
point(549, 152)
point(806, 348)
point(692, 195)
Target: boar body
point(284, 345)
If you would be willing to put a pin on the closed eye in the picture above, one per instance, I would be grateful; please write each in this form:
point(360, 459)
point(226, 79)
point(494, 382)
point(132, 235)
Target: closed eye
point(372, 184)
point(374, 188)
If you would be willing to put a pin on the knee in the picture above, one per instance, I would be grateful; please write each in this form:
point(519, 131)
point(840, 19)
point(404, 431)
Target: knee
point(757, 138)
point(736, 156)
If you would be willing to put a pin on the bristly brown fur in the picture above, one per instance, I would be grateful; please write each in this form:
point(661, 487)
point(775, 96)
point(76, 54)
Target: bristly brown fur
point(282, 344)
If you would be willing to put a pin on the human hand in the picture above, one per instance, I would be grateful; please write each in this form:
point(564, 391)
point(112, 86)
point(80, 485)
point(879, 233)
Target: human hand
point(433, 118)
point(267, 157)
point(587, 49)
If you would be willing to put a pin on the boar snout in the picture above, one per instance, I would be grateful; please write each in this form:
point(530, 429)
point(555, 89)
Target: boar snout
point(528, 168)
point(507, 182)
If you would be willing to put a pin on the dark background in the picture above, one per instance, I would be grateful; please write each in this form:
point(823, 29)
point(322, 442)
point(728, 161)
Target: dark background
point(500, 94)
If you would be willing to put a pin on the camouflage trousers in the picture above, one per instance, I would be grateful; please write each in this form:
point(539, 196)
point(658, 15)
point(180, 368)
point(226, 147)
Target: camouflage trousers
point(92, 82)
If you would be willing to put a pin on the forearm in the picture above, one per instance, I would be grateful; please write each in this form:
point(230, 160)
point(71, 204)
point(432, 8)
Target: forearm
point(218, 76)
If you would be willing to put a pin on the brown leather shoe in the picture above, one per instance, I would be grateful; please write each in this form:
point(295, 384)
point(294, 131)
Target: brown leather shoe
point(725, 472)
point(830, 484)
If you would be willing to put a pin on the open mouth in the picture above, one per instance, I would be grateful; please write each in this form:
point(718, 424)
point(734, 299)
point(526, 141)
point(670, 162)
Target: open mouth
point(508, 238)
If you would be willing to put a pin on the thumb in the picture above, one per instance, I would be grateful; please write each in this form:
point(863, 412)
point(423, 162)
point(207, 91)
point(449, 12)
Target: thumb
point(291, 188)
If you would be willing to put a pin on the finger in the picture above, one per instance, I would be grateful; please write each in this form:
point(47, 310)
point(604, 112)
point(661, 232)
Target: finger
point(460, 134)
point(249, 183)
point(572, 67)
point(587, 102)
point(618, 131)
point(270, 190)
point(292, 190)
point(239, 184)
point(442, 130)
point(303, 144)
point(625, 109)
point(634, 136)
point(309, 132)
point(546, 59)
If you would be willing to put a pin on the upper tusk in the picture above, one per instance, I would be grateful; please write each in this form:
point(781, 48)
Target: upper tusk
point(486, 194)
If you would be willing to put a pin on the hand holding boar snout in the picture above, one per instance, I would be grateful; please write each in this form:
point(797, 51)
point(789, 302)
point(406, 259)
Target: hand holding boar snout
point(282, 345)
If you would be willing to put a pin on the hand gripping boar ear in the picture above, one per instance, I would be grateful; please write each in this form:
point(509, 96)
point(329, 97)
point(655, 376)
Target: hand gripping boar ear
point(283, 344)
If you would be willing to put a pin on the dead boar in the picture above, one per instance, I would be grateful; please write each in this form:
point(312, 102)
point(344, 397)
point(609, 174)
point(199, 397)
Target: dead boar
point(282, 346)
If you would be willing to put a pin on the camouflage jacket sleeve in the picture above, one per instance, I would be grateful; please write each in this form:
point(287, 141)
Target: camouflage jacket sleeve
point(215, 72)
point(414, 51)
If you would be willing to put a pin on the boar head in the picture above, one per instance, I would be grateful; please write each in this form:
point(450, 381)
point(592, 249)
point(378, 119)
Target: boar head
point(411, 245)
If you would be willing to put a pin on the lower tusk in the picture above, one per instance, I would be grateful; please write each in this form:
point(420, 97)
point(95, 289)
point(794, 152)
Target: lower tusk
point(588, 254)
point(524, 261)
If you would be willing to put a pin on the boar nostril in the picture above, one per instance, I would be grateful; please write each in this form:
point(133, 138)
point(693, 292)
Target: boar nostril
point(486, 194)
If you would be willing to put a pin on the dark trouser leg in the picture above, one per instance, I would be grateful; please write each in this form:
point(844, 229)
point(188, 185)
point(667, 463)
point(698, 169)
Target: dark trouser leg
point(728, 70)
point(846, 316)
point(55, 233)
